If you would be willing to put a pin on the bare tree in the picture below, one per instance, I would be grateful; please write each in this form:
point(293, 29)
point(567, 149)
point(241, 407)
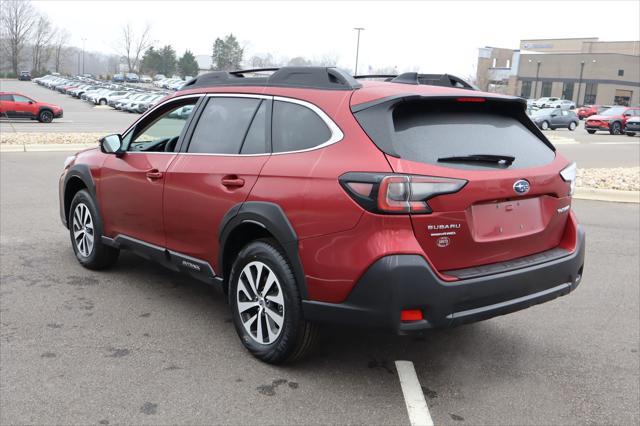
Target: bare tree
point(43, 33)
point(60, 48)
point(131, 47)
point(16, 21)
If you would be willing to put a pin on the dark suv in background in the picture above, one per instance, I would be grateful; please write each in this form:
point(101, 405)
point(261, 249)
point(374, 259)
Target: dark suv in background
point(311, 196)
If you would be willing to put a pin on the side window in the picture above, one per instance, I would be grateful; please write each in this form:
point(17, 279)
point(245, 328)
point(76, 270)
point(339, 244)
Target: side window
point(21, 99)
point(223, 125)
point(161, 130)
point(256, 140)
point(296, 127)
point(8, 98)
point(565, 113)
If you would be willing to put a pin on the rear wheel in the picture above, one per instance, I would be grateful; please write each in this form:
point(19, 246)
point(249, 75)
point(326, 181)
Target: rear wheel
point(85, 229)
point(103, 101)
point(591, 131)
point(616, 128)
point(45, 116)
point(573, 125)
point(266, 305)
point(544, 125)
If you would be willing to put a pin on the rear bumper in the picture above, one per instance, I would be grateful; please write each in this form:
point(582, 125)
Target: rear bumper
point(398, 282)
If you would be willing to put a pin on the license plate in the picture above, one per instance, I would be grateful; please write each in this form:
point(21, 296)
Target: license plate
point(507, 219)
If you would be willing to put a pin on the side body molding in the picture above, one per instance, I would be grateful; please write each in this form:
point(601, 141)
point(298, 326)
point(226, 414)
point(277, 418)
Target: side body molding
point(271, 217)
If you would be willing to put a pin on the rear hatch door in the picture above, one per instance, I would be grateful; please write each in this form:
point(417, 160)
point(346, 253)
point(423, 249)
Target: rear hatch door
point(514, 204)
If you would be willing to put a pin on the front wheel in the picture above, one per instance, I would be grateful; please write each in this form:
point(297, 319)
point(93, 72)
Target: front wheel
point(544, 125)
point(591, 131)
point(616, 128)
point(45, 117)
point(266, 305)
point(103, 101)
point(572, 125)
point(631, 134)
point(85, 229)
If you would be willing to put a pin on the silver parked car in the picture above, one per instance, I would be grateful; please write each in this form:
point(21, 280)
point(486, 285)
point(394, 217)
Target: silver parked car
point(553, 118)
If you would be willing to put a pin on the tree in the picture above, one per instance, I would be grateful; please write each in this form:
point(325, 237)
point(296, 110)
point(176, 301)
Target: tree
point(131, 47)
point(43, 34)
point(227, 54)
point(16, 21)
point(59, 48)
point(151, 61)
point(262, 61)
point(299, 61)
point(167, 61)
point(187, 65)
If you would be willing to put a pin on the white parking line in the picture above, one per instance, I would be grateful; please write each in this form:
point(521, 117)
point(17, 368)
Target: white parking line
point(616, 143)
point(413, 395)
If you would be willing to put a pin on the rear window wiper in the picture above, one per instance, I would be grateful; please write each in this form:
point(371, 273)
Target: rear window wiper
point(505, 160)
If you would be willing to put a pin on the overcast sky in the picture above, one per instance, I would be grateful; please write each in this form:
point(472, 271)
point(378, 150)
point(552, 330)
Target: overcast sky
point(433, 36)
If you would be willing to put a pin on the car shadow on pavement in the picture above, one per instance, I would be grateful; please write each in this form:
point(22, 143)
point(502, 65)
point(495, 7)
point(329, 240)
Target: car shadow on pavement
point(434, 350)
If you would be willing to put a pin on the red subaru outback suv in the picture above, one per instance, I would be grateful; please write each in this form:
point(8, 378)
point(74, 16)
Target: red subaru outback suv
point(15, 105)
point(309, 196)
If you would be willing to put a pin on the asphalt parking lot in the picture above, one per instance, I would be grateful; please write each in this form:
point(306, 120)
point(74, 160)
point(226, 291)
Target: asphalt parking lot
point(141, 345)
point(79, 116)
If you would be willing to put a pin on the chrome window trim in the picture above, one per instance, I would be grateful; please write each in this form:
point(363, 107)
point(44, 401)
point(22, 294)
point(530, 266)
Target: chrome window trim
point(336, 132)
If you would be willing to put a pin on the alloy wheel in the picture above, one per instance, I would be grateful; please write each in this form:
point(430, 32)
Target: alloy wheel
point(260, 302)
point(83, 230)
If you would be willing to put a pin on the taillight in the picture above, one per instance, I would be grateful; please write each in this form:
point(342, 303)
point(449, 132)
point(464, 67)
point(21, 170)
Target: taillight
point(568, 174)
point(397, 194)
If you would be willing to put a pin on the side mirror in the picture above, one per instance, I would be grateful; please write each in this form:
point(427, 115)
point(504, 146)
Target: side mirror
point(30, 102)
point(111, 144)
point(626, 114)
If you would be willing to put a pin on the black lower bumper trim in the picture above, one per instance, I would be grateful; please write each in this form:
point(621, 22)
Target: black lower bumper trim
point(399, 282)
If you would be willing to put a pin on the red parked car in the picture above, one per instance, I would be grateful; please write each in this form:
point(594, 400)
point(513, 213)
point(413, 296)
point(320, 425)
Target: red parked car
point(589, 110)
point(15, 105)
point(612, 120)
point(310, 196)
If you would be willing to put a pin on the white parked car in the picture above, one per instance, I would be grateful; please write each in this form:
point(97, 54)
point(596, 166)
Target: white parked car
point(562, 104)
point(543, 102)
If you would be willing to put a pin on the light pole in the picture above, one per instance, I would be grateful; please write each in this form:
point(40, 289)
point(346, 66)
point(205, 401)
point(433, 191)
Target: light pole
point(83, 40)
point(358, 29)
point(580, 81)
point(535, 89)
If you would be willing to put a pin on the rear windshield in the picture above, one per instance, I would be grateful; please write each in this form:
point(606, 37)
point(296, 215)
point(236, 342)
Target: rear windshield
point(427, 131)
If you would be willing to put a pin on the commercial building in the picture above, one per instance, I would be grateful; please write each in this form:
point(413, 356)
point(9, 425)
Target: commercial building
point(585, 70)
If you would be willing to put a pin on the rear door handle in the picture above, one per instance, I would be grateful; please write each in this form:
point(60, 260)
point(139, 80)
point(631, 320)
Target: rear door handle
point(232, 181)
point(154, 174)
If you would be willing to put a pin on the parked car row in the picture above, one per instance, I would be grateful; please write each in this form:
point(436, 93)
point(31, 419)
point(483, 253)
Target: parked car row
point(98, 92)
point(173, 83)
point(613, 120)
point(550, 102)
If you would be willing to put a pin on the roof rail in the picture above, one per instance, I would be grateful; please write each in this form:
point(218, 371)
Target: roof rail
point(446, 80)
point(326, 78)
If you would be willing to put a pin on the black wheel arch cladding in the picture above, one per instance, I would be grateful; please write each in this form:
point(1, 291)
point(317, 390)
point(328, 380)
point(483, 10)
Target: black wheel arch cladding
point(273, 219)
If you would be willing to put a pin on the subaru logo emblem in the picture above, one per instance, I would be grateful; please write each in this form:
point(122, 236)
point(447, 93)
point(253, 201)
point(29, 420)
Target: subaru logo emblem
point(521, 186)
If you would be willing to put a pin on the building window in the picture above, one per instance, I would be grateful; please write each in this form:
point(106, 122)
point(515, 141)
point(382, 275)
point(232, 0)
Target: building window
point(622, 97)
point(590, 93)
point(546, 89)
point(525, 92)
point(567, 91)
point(620, 73)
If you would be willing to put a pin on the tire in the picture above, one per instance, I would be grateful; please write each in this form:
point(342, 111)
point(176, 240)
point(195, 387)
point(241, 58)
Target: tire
point(616, 128)
point(544, 125)
point(45, 116)
point(591, 131)
point(631, 134)
point(573, 125)
point(103, 102)
point(85, 222)
point(257, 323)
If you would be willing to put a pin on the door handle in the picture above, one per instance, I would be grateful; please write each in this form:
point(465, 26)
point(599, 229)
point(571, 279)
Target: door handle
point(154, 174)
point(232, 181)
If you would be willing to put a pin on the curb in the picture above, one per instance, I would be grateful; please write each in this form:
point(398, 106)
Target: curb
point(612, 195)
point(46, 147)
